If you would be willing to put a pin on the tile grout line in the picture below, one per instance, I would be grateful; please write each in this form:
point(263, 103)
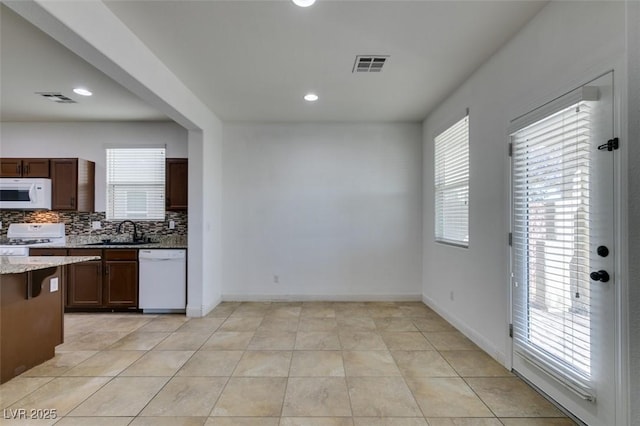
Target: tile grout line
point(464, 379)
point(286, 384)
point(346, 382)
point(409, 387)
point(213, 407)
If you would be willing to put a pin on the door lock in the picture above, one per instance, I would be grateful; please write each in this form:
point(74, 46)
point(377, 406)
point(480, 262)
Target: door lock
point(600, 275)
point(602, 251)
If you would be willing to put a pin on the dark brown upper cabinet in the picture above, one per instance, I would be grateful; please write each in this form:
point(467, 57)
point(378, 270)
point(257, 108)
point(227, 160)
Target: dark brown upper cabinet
point(72, 184)
point(176, 174)
point(24, 167)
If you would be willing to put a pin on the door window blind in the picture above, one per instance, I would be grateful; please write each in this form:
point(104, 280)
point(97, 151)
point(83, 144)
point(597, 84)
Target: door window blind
point(135, 183)
point(452, 184)
point(551, 214)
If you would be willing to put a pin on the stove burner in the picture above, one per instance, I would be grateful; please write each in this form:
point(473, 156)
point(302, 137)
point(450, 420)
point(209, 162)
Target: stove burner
point(24, 242)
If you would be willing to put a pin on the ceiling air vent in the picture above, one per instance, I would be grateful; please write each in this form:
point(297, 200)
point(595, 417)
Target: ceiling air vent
point(56, 97)
point(369, 63)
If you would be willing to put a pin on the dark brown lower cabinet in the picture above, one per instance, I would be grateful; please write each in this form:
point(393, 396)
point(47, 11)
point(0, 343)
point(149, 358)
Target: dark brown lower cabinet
point(84, 281)
point(48, 252)
point(109, 283)
point(121, 278)
point(84, 285)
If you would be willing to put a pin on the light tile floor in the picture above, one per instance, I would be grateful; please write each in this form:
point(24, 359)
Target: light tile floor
point(286, 364)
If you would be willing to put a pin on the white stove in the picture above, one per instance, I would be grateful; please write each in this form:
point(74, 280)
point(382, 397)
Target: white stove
point(21, 236)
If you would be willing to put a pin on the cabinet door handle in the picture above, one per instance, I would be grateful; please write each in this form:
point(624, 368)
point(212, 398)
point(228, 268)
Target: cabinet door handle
point(18, 167)
point(73, 201)
point(27, 169)
point(106, 270)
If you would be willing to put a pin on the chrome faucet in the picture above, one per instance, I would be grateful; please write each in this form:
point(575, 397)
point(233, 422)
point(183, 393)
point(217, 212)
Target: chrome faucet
point(135, 229)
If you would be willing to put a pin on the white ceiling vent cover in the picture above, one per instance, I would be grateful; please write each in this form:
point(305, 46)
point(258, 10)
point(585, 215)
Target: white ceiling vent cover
point(56, 97)
point(369, 63)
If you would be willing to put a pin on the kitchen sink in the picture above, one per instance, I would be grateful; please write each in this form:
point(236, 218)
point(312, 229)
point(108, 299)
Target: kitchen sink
point(119, 243)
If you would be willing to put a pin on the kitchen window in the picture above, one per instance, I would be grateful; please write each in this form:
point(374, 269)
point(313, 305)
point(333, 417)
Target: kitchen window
point(135, 183)
point(452, 184)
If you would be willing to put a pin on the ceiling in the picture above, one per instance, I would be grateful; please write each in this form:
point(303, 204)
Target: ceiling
point(31, 61)
point(254, 60)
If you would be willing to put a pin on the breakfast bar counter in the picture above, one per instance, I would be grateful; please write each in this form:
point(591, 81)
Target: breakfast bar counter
point(19, 264)
point(31, 310)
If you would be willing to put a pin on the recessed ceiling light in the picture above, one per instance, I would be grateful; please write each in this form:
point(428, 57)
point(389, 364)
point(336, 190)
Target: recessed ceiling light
point(310, 97)
point(81, 91)
point(303, 3)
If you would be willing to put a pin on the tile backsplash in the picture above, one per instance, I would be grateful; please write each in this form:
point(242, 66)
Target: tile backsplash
point(80, 223)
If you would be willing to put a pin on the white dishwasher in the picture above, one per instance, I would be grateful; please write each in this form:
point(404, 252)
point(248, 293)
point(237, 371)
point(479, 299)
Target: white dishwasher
point(163, 280)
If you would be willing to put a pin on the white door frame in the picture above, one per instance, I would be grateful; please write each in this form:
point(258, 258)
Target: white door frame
point(622, 366)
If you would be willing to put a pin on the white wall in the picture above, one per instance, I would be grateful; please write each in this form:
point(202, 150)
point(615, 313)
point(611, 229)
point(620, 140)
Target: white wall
point(88, 140)
point(633, 48)
point(333, 209)
point(211, 229)
point(564, 46)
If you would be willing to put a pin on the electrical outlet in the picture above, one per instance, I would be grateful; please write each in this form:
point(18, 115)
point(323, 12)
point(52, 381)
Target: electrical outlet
point(172, 224)
point(96, 224)
point(276, 279)
point(53, 285)
point(451, 296)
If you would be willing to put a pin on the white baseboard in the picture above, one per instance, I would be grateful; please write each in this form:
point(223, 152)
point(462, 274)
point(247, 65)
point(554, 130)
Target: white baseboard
point(202, 310)
point(194, 311)
point(469, 332)
point(321, 298)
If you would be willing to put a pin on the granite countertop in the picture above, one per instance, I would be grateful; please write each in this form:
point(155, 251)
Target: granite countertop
point(88, 242)
point(158, 245)
point(20, 264)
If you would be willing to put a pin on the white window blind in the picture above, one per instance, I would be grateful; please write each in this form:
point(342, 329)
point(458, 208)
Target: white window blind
point(452, 184)
point(135, 183)
point(551, 215)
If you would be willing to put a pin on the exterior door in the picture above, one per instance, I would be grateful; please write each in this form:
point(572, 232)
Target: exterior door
point(563, 280)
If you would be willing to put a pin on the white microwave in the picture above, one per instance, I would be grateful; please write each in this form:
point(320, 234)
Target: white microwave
point(25, 194)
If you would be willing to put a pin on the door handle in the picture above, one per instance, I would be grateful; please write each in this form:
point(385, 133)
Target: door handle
point(600, 275)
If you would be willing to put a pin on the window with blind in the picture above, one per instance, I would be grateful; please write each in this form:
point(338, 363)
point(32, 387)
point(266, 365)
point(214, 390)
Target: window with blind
point(452, 184)
point(551, 215)
point(135, 183)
